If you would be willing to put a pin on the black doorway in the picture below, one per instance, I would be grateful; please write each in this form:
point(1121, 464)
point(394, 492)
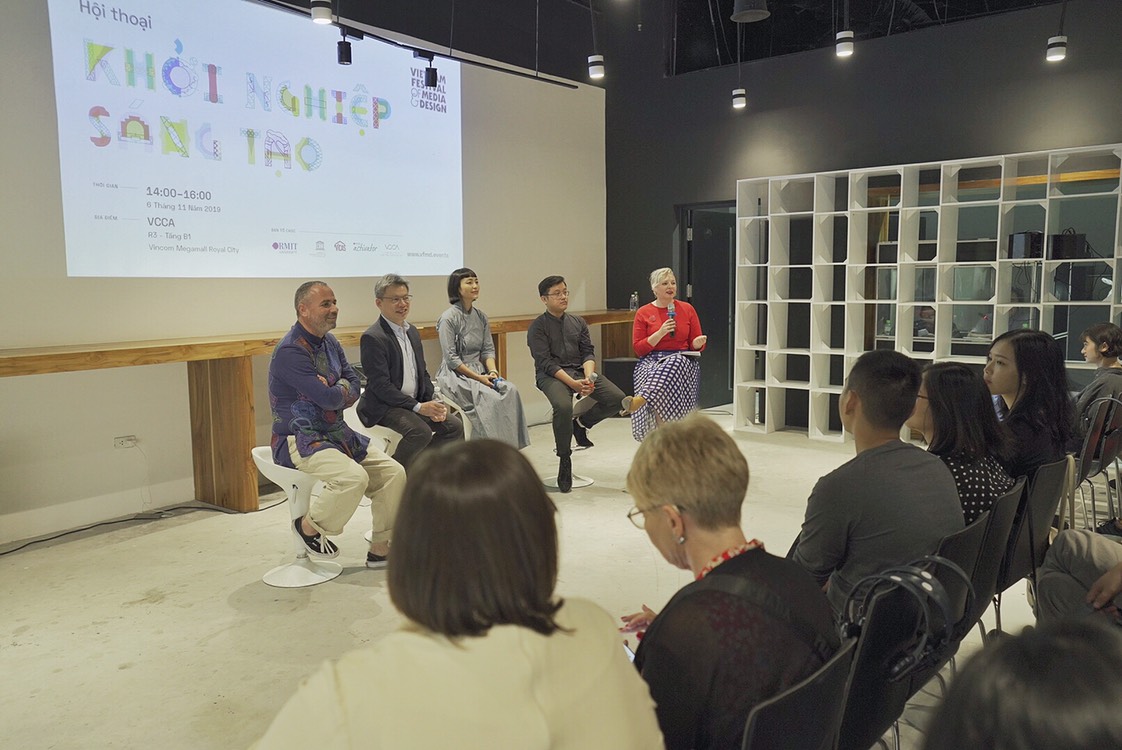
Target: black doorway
point(709, 237)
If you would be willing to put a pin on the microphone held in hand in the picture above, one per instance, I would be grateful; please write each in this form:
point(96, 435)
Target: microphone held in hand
point(671, 314)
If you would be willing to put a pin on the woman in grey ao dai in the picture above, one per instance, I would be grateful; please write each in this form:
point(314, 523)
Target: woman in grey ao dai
point(468, 374)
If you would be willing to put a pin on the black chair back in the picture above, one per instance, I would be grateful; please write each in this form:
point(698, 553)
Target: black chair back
point(873, 701)
point(999, 528)
point(1088, 461)
point(805, 716)
point(963, 548)
point(1029, 540)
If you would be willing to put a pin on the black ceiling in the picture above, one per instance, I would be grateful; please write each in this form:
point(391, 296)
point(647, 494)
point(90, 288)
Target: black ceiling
point(704, 37)
point(556, 36)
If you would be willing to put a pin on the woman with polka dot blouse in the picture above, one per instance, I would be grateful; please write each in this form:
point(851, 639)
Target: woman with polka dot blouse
point(955, 414)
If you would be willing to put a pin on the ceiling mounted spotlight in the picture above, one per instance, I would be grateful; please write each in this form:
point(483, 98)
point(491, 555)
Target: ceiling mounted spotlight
point(595, 60)
point(432, 78)
point(1057, 45)
point(595, 67)
point(844, 44)
point(739, 98)
point(1057, 49)
point(749, 11)
point(321, 11)
point(344, 53)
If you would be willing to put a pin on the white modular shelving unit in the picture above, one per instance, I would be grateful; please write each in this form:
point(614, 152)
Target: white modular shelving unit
point(929, 259)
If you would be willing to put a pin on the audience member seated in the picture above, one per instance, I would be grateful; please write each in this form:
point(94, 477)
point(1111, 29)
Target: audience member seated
point(399, 393)
point(1025, 373)
point(564, 364)
point(1102, 345)
point(468, 372)
point(666, 380)
point(1081, 576)
point(750, 626)
point(1053, 687)
point(891, 504)
point(490, 657)
point(310, 384)
point(955, 414)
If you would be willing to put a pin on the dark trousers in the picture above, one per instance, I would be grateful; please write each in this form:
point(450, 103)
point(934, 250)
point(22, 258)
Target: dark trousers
point(418, 431)
point(606, 395)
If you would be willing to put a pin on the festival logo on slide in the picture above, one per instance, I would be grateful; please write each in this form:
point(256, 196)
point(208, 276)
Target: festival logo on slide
point(186, 151)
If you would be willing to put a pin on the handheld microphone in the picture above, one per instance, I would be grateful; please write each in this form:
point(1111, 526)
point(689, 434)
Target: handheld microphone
point(671, 314)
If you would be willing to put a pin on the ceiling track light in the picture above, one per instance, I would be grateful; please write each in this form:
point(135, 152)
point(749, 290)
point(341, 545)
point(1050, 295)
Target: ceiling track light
point(739, 98)
point(595, 60)
point(321, 11)
point(344, 51)
point(843, 45)
point(432, 78)
point(1057, 48)
point(1057, 45)
point(749, 11)
point(595, 67)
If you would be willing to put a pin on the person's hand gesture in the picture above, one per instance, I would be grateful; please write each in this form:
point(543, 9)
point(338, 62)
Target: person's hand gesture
point(1104, 590)
point(699, 342)
point(638, 621)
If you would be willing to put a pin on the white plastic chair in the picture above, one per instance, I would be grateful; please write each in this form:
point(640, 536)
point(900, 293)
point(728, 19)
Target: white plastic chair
point(303, 570)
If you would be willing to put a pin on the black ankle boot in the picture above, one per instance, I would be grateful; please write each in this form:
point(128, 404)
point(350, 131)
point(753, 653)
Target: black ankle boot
point(581, 435)
point(565, 474)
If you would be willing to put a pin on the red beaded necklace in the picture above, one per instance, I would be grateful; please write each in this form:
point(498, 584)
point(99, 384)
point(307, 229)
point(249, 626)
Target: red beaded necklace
point(728, 554)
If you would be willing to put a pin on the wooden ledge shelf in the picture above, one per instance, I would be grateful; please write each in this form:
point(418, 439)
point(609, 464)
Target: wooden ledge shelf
point(220, 388)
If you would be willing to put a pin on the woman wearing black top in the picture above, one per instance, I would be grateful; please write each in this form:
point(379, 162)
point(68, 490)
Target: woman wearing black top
point(1025, 372)
point(955, 414)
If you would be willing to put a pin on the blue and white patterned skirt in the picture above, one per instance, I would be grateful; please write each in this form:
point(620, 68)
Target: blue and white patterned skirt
point(670, 382)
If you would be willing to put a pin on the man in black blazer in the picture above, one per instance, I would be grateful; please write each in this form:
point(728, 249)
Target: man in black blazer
point(399, 393)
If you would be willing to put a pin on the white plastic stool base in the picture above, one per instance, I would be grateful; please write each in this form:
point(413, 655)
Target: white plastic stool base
point(303, 571)
point(578, 482)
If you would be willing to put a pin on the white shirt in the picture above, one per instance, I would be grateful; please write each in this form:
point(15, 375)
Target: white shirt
point(408, 361)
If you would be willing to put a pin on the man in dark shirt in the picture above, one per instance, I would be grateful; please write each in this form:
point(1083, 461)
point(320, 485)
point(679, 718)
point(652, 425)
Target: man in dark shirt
point(565, 363)
point(399, 392)
point(310, 384)
point(891, 504)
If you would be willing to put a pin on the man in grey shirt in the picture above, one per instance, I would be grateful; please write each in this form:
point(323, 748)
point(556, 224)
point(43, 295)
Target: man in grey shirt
point(891, 504)
point(564, 364)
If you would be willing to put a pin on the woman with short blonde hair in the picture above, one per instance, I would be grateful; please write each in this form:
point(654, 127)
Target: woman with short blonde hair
point(667, 338)
point(750, 625)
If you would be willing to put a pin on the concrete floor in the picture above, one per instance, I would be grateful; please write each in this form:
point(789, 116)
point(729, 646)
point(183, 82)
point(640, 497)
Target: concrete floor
point(160, 634)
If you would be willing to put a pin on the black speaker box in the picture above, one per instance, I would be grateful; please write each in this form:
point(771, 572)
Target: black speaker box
point(1068, 246)
point(1026, 245)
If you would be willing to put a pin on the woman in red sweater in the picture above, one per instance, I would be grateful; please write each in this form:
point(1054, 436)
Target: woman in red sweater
point(667, 377)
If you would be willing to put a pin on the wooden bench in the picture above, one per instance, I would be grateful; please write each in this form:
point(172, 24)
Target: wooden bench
point(220, 388)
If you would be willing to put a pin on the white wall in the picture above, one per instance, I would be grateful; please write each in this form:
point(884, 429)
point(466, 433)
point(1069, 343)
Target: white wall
point(534, 204)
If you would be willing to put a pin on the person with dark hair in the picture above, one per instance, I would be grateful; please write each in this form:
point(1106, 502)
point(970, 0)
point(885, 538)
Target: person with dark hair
point(1102, 345)
point(750, 625)
point(468, 373)
point(1025, 373)
point(1052, 687)
point(310, 384)
point(564, 364)
point(891, 504)
point(490, 656)
point(955, 415)
point(399, 392)
point(667, 338)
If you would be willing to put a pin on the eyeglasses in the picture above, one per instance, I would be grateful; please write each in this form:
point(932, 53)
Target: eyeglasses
point(920, 395)
point(396, 300)
point(639, 520)
point(558, 294)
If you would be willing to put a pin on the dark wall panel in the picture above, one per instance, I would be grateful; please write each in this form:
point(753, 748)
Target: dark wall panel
point(974, 88)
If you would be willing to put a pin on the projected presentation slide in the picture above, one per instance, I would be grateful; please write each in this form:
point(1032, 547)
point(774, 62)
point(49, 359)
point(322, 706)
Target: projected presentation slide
point(218, 138)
